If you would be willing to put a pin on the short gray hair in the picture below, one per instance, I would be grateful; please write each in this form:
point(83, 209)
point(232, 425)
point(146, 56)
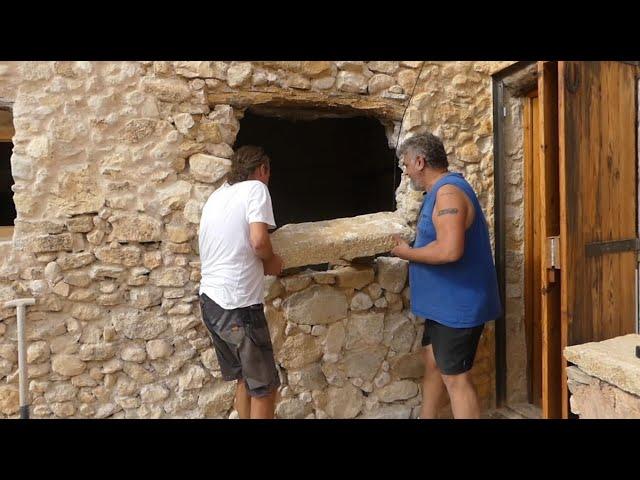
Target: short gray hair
point(428, 146)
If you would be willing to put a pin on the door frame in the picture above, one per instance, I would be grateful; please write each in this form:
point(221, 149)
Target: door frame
point(499, 167)
point(500, 80)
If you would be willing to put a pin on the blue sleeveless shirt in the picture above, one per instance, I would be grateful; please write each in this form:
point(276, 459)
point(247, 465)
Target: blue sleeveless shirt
point(463, 293)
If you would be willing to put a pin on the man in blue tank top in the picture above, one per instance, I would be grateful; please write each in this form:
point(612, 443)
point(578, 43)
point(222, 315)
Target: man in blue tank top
point(452, 276)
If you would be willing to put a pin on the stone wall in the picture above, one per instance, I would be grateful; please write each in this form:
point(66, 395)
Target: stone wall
point(348, 346)
point(514, 250)
point(113, 162)
point(604, 381)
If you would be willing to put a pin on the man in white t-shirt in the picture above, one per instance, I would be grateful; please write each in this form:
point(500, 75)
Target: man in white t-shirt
point(236, 253)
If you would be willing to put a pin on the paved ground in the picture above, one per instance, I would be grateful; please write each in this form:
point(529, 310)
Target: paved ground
point(517, 411)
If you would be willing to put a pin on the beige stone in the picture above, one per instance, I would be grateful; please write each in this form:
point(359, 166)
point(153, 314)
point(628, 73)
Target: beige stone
point(9, 352)
point(332, 240)
point(99, 272)
point(392, 412)
point(296, 282)
point(85, 312)
point(361, 301)
point(324, 278)
point(319, 304)
point(208, 168)
point(216, 399)
point(292, 408)
point(193, 210)
point(152, 259)
point(323, 83)
point(238, 74)
point(67, 365)
point(351, 82)
point(350, 65)
point(9, 399)
point(169, 277)
point(159, 349)
point(364, 363)
point(51, 243)
point(135, 324)
point(400, 390)
point(168, 90)
point(133, 353)
point(201, 69)
point(315, 69)
point(173, 197)
point(612, 361)
point(392, 273)
point(307, 378)
point(145, 297)
point(408, 365)
point(192, 378)
point(135, 228)
point(53, 273)
point(45, 329)
point(353, 277)
point(399, 333)
point(364, 329)
point(383, 67)
point(298, 351)
point(334, 340)
point(78, 192)
point(380, 82)
point(96, 351)
point(77, 279)
point(38, 352)
point(139, 373)
point(153, 393)
point(128, 256)
point(272, 288)
point(407, 80)
point(345, 402)
point(60, 392)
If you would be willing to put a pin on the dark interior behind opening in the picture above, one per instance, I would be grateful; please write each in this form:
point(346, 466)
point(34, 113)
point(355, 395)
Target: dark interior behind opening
point(325, 168)
point(7, 207)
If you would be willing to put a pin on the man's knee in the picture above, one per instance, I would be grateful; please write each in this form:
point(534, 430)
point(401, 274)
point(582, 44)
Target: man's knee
point(457, 382)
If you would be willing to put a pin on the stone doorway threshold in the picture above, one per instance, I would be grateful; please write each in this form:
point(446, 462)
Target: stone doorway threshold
point(516, 411)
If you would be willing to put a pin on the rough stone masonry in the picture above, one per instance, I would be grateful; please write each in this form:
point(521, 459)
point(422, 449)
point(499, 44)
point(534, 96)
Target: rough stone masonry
point(112, 163)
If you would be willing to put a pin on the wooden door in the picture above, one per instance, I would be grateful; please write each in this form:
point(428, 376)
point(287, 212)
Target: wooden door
point(598, 209)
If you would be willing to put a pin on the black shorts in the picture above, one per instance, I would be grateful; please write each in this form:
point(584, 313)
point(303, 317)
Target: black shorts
point(453, 348)
point(242, 344)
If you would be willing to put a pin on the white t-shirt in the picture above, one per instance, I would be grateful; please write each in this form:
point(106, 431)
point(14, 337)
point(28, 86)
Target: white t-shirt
point(232, 274)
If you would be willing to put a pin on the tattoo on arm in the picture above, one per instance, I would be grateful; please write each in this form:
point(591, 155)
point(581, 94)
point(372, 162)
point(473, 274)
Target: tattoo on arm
point(448, 211)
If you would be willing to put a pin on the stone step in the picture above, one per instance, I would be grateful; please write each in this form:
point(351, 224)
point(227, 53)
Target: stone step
point(527, 410)
point(521, 411)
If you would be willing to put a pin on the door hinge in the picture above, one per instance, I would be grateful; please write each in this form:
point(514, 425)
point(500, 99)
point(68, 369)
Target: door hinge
point(553, 252)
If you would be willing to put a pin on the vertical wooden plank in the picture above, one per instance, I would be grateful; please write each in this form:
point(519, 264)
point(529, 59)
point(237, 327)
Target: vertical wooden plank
point(597, 124)
point(566, 279)
point(538, 265)
point(529, 242)
point(548, 196)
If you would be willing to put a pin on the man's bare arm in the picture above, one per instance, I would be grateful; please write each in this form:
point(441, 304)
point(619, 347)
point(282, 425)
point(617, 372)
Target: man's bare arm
point(449, 221)
point(261, 244)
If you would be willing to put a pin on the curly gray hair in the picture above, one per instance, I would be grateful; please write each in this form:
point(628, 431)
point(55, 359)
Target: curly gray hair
point(428, 146)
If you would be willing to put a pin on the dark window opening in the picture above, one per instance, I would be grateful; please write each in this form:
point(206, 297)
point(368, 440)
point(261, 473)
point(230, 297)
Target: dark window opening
point(7, 207)
point(324, 168)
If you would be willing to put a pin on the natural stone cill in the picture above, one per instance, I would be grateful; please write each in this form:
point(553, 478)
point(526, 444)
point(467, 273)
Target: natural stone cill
point(314, 243)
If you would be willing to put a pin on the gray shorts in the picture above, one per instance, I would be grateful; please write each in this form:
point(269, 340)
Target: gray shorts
point(242, 344)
